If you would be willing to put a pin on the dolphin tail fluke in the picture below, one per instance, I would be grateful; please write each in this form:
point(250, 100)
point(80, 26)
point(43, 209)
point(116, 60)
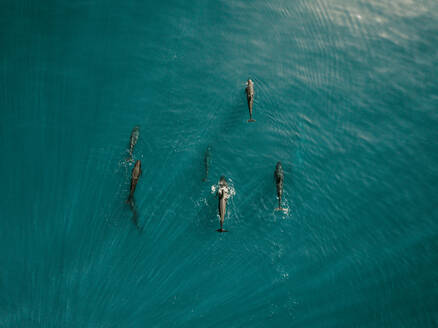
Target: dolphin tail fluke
point(135, 221)
point(221, 229)
point(251, 120)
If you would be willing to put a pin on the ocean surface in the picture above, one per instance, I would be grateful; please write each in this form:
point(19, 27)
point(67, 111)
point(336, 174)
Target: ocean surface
point(346, 97)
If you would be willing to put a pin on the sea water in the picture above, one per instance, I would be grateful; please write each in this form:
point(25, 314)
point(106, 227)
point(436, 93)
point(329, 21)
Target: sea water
point(346, 98)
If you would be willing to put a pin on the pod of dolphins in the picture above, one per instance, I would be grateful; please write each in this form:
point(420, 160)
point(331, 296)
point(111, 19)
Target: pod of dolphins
point(223, 192)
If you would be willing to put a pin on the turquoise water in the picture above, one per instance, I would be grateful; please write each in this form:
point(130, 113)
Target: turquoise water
point(346, 97)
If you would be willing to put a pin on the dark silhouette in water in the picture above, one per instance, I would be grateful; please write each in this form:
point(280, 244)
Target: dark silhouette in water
point(279, 178)
point(132, 142)
point(136, 172)
point(131, 203)
point(223, 198)
point(250, 97)
point(207, 162)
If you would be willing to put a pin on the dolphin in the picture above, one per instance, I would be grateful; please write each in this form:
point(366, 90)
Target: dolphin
point(250, 97)
point(136, 172)
point(279, 178)
point(223, 198)
point(133, 141)
point(207, 162)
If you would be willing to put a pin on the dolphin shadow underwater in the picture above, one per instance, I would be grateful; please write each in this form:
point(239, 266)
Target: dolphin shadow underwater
point(132, 206)
point(207, 162)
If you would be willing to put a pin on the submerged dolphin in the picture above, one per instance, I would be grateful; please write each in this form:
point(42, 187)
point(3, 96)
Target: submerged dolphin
point(131, 203)
point(279, 178)
point(136, 172)
point(223, 198)
point(133, 141)
point(207, 162)
point(250, 97)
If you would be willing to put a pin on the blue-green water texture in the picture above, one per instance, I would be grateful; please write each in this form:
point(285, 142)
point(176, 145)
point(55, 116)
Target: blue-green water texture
point(346, 97)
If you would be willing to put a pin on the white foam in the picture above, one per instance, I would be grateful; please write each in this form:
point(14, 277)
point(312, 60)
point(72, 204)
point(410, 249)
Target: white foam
point(229, 190)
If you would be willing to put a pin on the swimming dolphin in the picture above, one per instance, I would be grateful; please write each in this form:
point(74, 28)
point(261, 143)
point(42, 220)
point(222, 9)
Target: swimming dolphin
point(136, 172)
point(207, 162)
point(133, 141)
point(250, 97)
point(223, 198)
point(279, 178)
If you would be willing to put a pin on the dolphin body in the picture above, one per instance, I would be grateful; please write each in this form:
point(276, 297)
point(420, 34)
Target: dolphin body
point(279, 178)
point(250, 97)
point(133, 141)
point(136, 172)
point(207, 162)
point(223, 198)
